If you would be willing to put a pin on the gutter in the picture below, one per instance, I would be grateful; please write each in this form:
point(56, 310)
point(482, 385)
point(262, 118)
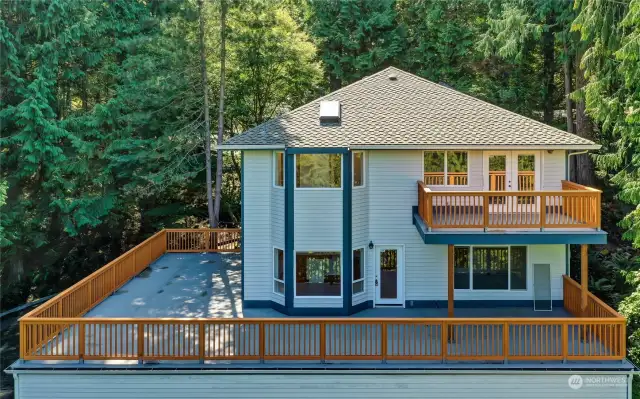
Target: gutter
point(585, 148)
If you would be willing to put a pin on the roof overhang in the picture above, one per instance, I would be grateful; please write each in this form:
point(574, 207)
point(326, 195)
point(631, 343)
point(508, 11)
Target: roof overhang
point(231, 147)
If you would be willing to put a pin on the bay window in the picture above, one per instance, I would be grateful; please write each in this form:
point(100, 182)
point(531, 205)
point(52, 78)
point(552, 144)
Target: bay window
point(318, 171)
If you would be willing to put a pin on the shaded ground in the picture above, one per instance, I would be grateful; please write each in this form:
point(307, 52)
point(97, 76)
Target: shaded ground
point(9, 351)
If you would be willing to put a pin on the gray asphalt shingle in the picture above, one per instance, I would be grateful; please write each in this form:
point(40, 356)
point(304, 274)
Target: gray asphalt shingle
point(407, 111)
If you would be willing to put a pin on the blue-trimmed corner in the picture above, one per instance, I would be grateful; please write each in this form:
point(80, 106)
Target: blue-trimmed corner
point(242, 224)
point(458, 237)
point(288, 228)
point(347, 256)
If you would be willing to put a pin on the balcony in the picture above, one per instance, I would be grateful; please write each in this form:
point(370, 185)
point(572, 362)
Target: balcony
point(574, 207)
point(148, 305)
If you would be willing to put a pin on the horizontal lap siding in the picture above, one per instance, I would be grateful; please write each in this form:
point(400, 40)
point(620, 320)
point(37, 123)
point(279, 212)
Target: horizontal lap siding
point(392, 194)
point(277, 228)
point(360, 232)
point(318, 227)
point(317, 385)
point(257, 220)
point(553, 170)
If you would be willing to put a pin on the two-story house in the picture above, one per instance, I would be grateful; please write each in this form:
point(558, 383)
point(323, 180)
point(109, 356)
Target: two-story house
point(399, 239)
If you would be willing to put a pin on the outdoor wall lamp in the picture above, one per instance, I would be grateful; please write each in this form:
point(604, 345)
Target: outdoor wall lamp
point(370, 244)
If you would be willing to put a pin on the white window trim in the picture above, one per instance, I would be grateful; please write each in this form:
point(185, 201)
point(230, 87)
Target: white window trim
point(273, 267)
point(446, 168)
point(295, 273)
point(295, 177)
point(364, 273)
point(275, 160)
point(364, 170)
point(527, 268)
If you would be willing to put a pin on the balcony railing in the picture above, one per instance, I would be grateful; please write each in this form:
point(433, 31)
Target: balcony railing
point(575, 206)
point(57, 331)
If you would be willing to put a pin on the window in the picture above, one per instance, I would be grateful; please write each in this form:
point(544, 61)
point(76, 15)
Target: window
point(358, 271)
point(446, 168)
point(318, 274)
point(461, 279)
point(358, 169)
point(278, 271)
point(318, 171)
point(278, 169)
point(490, 268)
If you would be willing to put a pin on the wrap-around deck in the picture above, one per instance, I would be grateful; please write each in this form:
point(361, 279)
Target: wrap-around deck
point(148, 305)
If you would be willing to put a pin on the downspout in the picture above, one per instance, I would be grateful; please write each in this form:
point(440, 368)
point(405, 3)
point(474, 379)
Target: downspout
point(568, 177)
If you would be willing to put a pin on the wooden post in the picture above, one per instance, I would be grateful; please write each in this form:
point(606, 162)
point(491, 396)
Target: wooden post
point(543, 211)
point(565, 341)
point(450, 281)
point(485, 210)
point(262, 341)
point(584, 278)
point(81, 341)
point(201, 337)
point(140, 342)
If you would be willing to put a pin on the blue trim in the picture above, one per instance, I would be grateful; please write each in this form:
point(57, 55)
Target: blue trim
point(242, 224)
point(347, 255)
point(361, 306)
point(318, 150)
point(501, 237)
point(289, 232)
point(477, 304)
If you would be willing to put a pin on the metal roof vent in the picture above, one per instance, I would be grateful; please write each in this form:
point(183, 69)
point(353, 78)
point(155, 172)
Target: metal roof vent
point(330, 111)
point(393, 76)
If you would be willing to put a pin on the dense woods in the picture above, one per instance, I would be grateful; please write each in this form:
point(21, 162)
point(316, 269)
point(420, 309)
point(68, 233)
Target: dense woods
point(107, 109)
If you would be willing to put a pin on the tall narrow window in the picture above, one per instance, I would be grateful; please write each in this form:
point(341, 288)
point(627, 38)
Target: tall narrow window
point(457, 168)
point(518, 268)
point(278, 177)
point(278, 271)
point(318, 171)
point(358, 271)
point(358, 169)
point(318, 274)
point(461, 268)
point(434, 168)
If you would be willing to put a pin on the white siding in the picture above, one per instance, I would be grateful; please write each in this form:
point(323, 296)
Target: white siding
point(277, 228)
point(553, 170)
point(318, 227)
point(258, 248)
point(392, 194)
point(320, 385)
point(360, 230)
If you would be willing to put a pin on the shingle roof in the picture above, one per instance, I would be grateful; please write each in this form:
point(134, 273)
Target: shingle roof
point(406, 112)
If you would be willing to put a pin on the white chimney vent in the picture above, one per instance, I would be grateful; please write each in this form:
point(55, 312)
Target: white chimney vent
point(330, 111)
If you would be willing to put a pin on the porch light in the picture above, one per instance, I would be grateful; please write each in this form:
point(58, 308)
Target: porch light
point(370, 244)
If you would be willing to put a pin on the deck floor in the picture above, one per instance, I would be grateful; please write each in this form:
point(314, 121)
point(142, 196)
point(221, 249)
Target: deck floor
point(208, 286)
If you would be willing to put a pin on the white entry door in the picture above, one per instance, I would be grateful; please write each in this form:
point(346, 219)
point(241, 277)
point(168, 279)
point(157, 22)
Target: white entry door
point(389, 275)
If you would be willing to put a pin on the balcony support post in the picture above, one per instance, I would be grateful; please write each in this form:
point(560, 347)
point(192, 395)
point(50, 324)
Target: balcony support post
point(450, 280)
point(584, 277)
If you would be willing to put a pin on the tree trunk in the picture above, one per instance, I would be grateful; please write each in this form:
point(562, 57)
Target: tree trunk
point(548, 53)
point(219, 164)
point(568, 103)
point(207, 121)
point(584, 164)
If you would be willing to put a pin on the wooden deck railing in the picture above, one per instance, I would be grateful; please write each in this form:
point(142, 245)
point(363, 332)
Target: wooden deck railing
point(464, 339)
point(575, 206)
point(78, 299)
point(595, 306)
